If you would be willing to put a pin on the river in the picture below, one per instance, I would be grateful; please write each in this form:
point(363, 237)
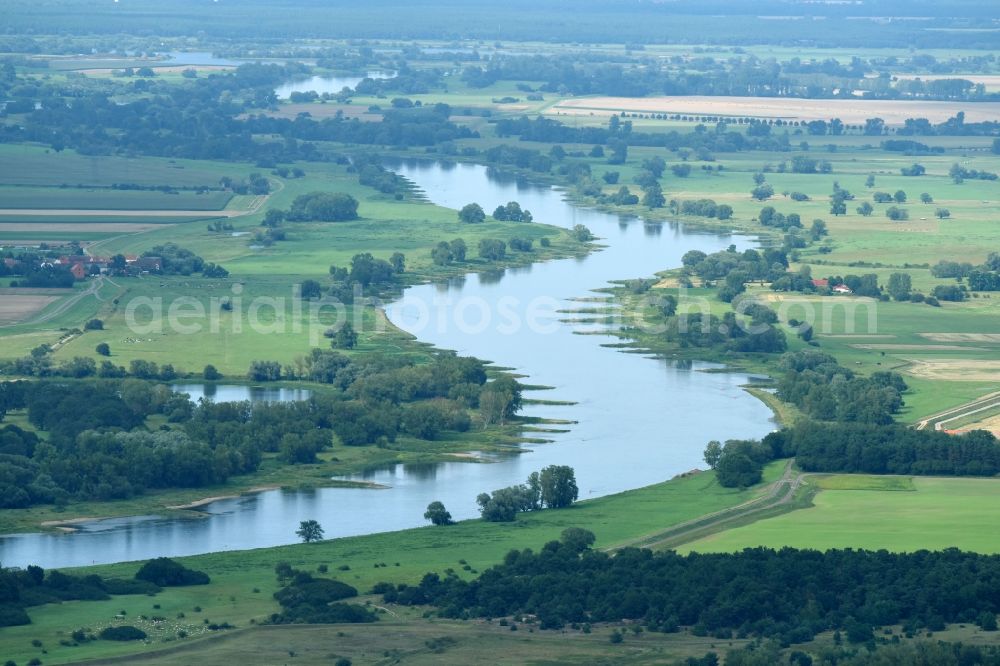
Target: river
point(638, 420)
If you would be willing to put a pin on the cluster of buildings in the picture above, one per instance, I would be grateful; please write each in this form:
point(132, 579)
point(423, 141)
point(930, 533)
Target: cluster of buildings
point(823, 283)
point(83, 265)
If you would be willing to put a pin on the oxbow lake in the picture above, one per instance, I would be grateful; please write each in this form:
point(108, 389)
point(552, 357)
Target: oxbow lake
point(327, 84)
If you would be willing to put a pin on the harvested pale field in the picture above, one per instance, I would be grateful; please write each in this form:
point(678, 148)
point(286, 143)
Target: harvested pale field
point(991, 81)
point(17, 308)
point(928, 348)
point(850, 111)
point(84, 212)
point(668, 283)
point(34, 291)
point(83, 227)
point(857, 335)
point(164, 69)
point(962, 337)
point(991, 423)
point(955, 370)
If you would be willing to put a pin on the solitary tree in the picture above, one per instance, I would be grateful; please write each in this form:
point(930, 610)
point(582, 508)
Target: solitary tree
point(472, 213)
point(210, 373)
point(713, 452)
point(437, 514)
point(345, 337)
point(558, 486)
point(942, 213)
point(309, 531)
point(311, 289)
point(577, 538)
point(103, 349)
point(899, 286)
point(458, 249)
point(398, 262)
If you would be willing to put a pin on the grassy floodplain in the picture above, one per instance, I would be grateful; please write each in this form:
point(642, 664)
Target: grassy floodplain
point(947, 354)
point(370, 559)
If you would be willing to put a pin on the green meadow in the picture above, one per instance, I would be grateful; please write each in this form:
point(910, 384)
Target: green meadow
point(892, 513)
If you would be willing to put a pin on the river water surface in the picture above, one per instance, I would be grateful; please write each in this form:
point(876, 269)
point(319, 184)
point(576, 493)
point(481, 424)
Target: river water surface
point(638, 420)
point(327, 84)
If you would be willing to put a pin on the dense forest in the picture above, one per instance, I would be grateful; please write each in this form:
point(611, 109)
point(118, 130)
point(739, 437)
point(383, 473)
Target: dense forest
point(614, 21)
point(98, 446)
point(789, 594)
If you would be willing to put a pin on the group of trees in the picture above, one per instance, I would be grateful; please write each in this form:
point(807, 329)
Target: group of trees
point(735, 269)
point(790, 595)
point(554, 487)
point(960, 174)
point(701, 207)
point(39, 363)
point(982, 277)
point(383, 397)
point(512, 212)
point(619, 135)
point(323, 207)
point(770, 217)
point(372, 173)
point(176, 260)
point(98, 447)
point(827, 391)
point(307, 599)
point(737, 463)
point(473, 213)
point(857, 447)
point(207, 118)
point(887, 449)
point(445, 253)
point(33, 586)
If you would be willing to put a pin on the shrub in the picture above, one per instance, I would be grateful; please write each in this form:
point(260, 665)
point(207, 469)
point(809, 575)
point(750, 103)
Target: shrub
point(165, 572)
point(125, 632)
point(12, 616)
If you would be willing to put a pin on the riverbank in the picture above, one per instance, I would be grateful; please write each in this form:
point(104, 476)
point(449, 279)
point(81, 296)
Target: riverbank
point(554, 358)
point(339, 461)
point(243, 581)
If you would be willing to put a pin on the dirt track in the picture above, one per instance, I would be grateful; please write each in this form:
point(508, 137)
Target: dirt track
point(779, 494)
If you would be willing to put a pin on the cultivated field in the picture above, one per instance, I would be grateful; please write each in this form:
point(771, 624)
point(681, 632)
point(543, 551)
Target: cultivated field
point(71, 229)
point(849, 111)
point(960, 370)
point(15, 308)
point(13, 200)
